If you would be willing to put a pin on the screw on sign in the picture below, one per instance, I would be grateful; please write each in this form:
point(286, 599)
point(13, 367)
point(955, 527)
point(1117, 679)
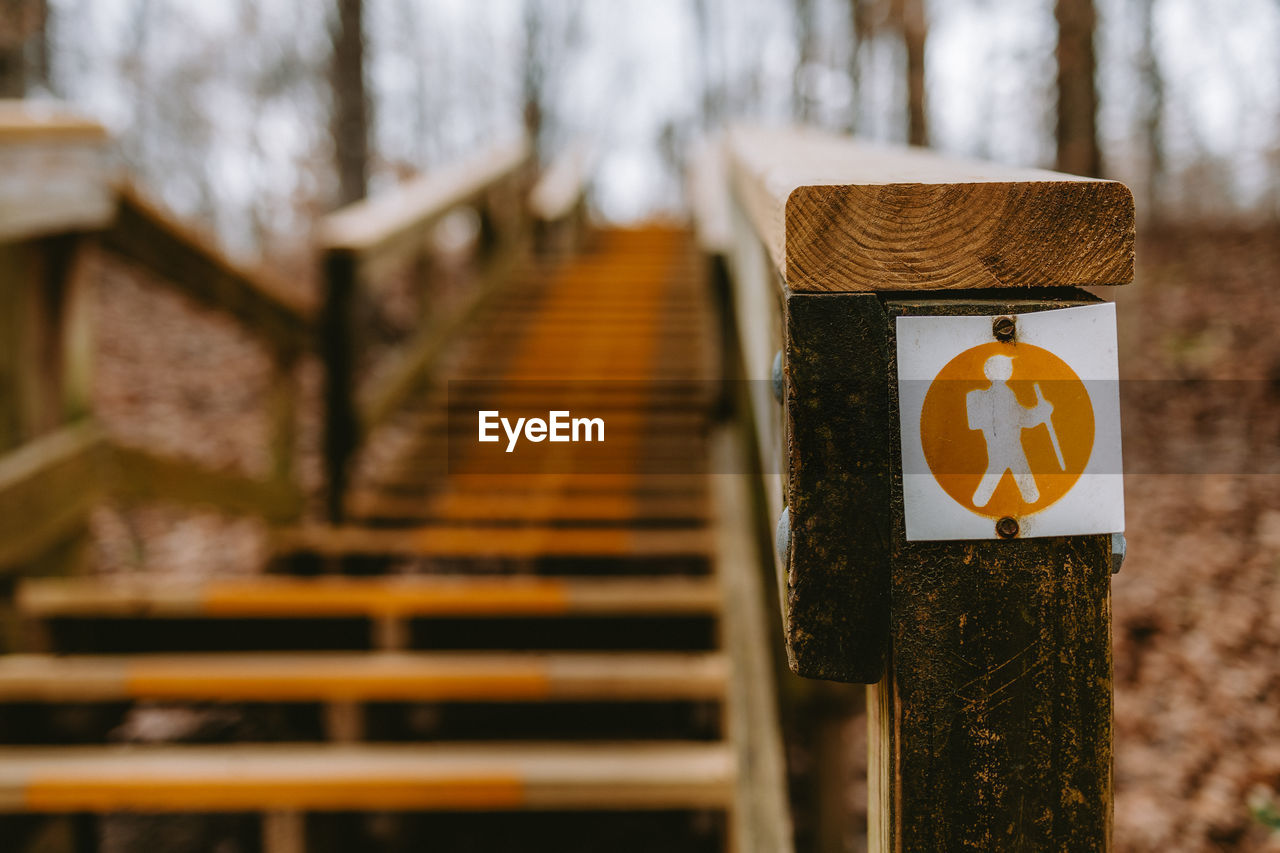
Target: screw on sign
point(997, 433)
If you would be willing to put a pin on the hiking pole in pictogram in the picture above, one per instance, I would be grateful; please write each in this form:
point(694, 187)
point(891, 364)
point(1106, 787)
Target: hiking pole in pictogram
point(1048, 422)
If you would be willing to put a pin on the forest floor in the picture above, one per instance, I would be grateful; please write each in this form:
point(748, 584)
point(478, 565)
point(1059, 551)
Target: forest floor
point(1196, 606)
point(1197, 603)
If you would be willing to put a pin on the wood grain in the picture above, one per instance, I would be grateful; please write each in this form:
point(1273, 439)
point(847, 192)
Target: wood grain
point(838, 215)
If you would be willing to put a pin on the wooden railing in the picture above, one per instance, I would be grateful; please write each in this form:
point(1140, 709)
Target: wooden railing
point(989, 660)
point(62, 205)
point(389, 235)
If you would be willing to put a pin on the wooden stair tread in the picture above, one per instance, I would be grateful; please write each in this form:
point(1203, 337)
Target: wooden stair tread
point(471, 507)
point(359, 676)
point(274, 596)
point(481, 541)
point(487, 776)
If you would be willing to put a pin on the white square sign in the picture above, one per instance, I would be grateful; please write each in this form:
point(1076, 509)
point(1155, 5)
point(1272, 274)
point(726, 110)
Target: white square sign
point(1010, 429)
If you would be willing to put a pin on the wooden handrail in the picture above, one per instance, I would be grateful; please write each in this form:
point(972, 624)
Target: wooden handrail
point(386, 233)
point(563, 184)
point(136, 475)
point(394, 225)
point(47, 487)
point(762, 820)
point(968, 642)
point(709, 197)
point(190, 263)
point(838, 215)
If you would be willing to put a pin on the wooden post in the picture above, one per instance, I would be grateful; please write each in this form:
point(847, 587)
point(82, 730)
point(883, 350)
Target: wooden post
point(77, 331)
point(365, 240)
point(284, 832)
point(283, 402)
point(337, 352)
point(990, 712)
point(998, 678)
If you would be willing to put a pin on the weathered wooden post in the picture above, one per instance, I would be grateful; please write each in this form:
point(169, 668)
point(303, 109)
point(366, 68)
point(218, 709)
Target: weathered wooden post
point(55, 189)
point(364, 241)
point(950, 468)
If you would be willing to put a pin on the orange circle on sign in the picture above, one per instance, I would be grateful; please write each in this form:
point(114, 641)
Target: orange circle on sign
point(1007, 429)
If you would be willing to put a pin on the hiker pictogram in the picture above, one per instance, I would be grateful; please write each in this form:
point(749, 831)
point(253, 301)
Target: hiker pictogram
point(1007, 429)
point(997, 414)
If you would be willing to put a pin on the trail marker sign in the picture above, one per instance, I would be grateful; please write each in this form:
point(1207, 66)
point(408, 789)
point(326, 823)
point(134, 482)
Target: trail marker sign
point(1022, 427)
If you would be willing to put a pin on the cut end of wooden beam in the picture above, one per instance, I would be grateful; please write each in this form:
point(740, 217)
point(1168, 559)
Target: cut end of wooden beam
point(56, 169)
point(45, 120)
point(839, 215)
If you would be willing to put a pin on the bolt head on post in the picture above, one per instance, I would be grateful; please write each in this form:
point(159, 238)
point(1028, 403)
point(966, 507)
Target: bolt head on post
point(1004, 328)
point(1118, 549)
point(776, 376)
point(1007, 527)
point(782, 536)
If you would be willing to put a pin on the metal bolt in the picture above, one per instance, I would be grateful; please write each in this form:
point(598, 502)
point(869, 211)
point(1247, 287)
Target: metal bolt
point(1004, 328)
point(1007, 527)
point(782, 536)
point(776, 376)
point(1118, 548)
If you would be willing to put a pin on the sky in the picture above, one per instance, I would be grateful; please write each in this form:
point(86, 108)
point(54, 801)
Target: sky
point(445, 77)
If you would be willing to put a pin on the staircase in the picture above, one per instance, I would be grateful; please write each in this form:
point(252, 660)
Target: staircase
point(537, 651)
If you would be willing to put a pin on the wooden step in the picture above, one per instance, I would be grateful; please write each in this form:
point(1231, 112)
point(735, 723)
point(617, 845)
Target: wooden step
point(402, 596)
point(363, 677)
point(485, 542)
point(455, 507)
point(452, 777)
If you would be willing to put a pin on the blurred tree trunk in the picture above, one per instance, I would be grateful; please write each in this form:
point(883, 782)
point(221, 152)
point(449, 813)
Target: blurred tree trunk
point(802, 99)
point(24, 46)
point(712, 91)
point(533, 74)
point(1153, 109)
point(1077, 132)
point(350, 116)
point(859, 31)
point(914, 30)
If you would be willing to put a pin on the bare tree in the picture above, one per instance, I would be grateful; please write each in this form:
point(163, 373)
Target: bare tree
point(1077, 132)
point(1153, 108)
point(533, 75)
point(802, 99)
point(553, 33)
point(350, 111)
point(24, 49)
point(859, 32)
point(712, 107)
point(910, 17)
